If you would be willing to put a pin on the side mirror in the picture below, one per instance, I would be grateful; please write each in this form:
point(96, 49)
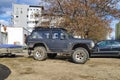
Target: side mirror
point(96, 45)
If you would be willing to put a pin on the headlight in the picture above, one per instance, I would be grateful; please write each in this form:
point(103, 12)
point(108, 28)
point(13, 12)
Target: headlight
point(92, 44)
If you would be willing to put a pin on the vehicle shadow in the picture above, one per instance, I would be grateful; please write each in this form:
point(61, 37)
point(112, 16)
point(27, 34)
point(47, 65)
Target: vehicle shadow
point(58, 58)
point(63, 58)
point(104, 57)
point(69, 59)
point(4, 72)
point(12, 56)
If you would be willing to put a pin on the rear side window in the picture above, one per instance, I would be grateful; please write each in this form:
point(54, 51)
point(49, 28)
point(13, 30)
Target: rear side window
point(37, 35)
point(56, 34)
point(115, 43)
point(40, 35)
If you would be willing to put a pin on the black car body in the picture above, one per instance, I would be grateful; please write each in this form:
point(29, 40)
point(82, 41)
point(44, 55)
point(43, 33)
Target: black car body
point(107, 48)
point(57, 40)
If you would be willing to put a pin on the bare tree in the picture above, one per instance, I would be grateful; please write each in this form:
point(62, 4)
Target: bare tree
point(89, 18)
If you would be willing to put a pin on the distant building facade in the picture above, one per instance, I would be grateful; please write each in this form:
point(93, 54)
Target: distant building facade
point(117, 31)
point(50, 20)
point(26, 16)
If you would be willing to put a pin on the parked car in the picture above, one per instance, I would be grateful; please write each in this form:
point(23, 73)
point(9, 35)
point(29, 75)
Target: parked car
point(47, 42)
point(107, 48)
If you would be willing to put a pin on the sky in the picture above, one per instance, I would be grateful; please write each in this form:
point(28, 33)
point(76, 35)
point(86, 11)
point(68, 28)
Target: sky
point(6, 11)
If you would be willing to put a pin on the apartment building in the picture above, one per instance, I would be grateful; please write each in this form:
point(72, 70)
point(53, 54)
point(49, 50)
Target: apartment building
point(26, 16)
point(50, 20)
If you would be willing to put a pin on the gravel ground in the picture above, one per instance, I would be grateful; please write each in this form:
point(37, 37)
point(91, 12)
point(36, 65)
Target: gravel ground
point(23, 67)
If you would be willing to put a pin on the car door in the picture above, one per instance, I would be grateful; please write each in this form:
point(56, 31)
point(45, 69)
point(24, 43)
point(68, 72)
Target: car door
point(115, 47)
point(102, 48)
point(47, 38)
point(105, 47)
point(59, 41)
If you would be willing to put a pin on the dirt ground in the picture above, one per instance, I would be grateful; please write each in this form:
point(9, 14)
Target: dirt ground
point(23, 67)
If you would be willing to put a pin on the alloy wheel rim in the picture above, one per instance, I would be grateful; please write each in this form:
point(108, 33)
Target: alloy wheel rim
point(38, 54)
point(79, 56)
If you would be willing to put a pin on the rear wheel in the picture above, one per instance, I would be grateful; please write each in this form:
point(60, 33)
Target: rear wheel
point(80, 55)
point(52, 56)
point(39, 53)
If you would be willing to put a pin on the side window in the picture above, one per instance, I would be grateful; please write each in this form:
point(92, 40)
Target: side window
point(47, 35)
point(104, 44)
point(101, 44)
point(37, 35)
point(55, 35)
point(62, 36)
point(115, 43)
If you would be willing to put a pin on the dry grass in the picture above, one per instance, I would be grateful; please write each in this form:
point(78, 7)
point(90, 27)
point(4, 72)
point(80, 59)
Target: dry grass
point(24, 68)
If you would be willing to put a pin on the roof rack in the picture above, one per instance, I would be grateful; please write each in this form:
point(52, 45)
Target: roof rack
point(55, 28)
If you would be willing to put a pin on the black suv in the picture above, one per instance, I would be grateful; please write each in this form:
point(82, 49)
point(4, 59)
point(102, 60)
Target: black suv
point(47, 42)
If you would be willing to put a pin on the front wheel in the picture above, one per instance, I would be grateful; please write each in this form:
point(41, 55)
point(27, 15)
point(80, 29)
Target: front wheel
point(39, 53)
point(80, 55)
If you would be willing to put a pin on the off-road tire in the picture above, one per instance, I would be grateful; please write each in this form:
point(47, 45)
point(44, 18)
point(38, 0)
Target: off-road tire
point(80, 56)
point(39, 53)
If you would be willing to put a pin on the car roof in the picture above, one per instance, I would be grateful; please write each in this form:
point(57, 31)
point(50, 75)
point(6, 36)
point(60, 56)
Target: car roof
point(42, 28)
point(108, 40)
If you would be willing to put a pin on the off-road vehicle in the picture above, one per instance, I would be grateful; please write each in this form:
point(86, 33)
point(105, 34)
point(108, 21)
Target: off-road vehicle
point(48, 42)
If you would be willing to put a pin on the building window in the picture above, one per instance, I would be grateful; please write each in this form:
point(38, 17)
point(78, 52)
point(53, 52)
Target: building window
point(27, 16)
point(21, 11)
point(31, 16)
point(27, 9)
point(17, 12)
point(16, 16)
